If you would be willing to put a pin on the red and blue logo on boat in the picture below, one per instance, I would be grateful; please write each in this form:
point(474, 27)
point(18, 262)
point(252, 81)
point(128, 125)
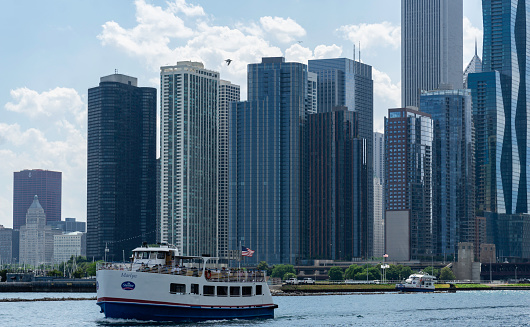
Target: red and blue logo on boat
point(128, 286)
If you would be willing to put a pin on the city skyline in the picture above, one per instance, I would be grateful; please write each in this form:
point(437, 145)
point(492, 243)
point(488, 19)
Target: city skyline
point(43, 103)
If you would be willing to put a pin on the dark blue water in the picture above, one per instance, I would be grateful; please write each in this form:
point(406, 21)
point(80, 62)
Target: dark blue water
point(480, 308)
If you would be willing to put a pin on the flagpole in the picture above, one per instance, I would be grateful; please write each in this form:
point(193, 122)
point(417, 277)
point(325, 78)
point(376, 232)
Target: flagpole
point(239, 260)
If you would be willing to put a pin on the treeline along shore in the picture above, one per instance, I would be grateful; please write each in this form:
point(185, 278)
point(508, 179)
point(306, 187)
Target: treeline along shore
point(56, 285)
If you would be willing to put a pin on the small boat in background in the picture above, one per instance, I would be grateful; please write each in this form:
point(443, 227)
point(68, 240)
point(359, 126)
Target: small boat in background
point(420, 282)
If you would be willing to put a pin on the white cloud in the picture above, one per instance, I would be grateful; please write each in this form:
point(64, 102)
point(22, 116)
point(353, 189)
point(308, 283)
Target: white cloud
point(386, 95)
point(186, 9)
point(372, 35)
point(471, 33)
point(284, 30)
point(298, 53)
point(325, 51)
point(59, 101)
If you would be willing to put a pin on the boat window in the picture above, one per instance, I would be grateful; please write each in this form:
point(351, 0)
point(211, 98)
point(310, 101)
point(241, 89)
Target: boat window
point(234, 290)
point(145, 255)
point(177, 288)
point(208, 290)
point(222, 290)
point(161, 255)
point(247, 290)
point(152, 255)
point(259, 289)
point(194, 288)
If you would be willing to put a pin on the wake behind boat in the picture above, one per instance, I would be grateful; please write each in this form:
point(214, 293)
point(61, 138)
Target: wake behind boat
point(420, 282)
point(162, 285)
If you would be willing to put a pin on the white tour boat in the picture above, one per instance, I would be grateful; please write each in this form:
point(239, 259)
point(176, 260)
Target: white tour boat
point(161, 285)
point(420, 282)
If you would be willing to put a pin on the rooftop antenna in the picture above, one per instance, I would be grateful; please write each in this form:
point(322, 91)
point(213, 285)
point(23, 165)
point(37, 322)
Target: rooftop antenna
point(115, 71)
point(475, 47)
point(359, 51)
point(354, 51)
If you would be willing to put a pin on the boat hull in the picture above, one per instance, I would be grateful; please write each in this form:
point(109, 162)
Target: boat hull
point(165, 312)
point(413, 289)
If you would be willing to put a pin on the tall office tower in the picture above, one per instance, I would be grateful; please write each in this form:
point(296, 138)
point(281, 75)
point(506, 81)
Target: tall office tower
point(500, 96)
point(337, 193)
point(188, 153)
point(345, 82)
point(453, 168)
point(474, 66)
point(408, 188)
point(228, 94)
point(379, 221)
point(121, 167)
point(36, 238)
point(44, 183)
point(67, 245)
point(266, 190)
point(6, 245)
point(379, 157)
point(431, 47)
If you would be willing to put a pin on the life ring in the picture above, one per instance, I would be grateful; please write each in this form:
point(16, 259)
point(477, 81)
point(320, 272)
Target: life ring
point(208, 274)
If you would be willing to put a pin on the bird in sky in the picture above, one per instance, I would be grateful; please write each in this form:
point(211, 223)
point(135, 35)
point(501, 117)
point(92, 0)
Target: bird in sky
point(228, 61)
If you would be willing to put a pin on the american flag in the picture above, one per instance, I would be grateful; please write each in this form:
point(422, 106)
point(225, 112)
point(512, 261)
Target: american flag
point(246, 251)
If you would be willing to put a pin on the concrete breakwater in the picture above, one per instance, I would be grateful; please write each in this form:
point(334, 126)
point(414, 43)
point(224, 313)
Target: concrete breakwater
point(72, 286)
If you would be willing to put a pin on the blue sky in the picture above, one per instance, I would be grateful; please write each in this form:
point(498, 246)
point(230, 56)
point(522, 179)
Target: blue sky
point(52, 51)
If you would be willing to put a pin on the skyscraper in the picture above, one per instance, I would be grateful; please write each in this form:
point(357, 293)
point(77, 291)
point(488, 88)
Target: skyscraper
point(189, 104)
point(337, 193)
point(431, 47)
point(228, 94)
point(379, 156)
point(345, 82)
point(121, 176)
point(474, 66)
point(453, 168)
point(408, 184)
point(500, 97)
point(46, 184)
point(266, 161)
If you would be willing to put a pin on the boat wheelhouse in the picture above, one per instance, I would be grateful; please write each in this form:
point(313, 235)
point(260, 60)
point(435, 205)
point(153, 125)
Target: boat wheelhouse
point(420, 282)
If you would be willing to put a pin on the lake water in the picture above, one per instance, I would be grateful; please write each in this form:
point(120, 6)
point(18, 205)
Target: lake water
point(474, 308)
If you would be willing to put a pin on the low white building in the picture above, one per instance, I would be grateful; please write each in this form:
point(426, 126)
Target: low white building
point(67, 245)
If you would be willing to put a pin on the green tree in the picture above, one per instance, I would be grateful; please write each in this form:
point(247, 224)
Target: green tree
point(262, 265)
point(447, 274)
point(280, 270)
point(55, 273)
point(432, 271)
point(374, 273)
point(335, 273)
point(3, 275)
point(351, 271)
point(405, 272)
point(289, 275)
point(392, 273)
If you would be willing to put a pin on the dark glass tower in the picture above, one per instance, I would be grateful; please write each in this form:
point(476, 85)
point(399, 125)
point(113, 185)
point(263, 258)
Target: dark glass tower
point(337, 186)
point(266, 162)
point(121, 168)
point(45, 184)
point(345, 82)
point(452, 168)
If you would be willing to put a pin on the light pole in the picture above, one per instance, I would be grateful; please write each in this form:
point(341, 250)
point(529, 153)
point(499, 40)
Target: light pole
point(516, 274)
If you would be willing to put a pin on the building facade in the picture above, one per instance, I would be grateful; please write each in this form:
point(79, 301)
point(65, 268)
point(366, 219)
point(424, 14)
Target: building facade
point(189, 103)
point(121, 176)
point(46, 184)
point(266, 137)
point(431, 47)
point(6, 245)
point(345, 82)
point(337, 193)
point(228, 94)
point(453, 168)
point(408, 189)
point(67, 245)
point(36, 238)
point(69, 225)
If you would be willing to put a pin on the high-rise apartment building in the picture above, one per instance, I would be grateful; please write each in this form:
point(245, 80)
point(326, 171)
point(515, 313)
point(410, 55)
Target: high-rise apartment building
point(431, 47)
point(266, 137)
point(379, 221)
point(121, 176)
point(189, 105)
point(453, 168)
point(501, 106)
point(345, 82)
point(6, 245)
point(46, 184)
point(67, 245)
point(337, 193)
point(228, 94)
point(408, 184)
point(379, 157)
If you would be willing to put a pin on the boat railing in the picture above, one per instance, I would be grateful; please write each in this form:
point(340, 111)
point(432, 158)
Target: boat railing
point(212, 275)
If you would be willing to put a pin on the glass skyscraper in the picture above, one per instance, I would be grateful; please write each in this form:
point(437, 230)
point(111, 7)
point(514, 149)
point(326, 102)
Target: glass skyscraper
point(345, 82)
point(337, 192)
point(431, 47)
point(189, 98)
point(121, 167)
point(266, 196)
point(452, 168)
point(408, 184)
